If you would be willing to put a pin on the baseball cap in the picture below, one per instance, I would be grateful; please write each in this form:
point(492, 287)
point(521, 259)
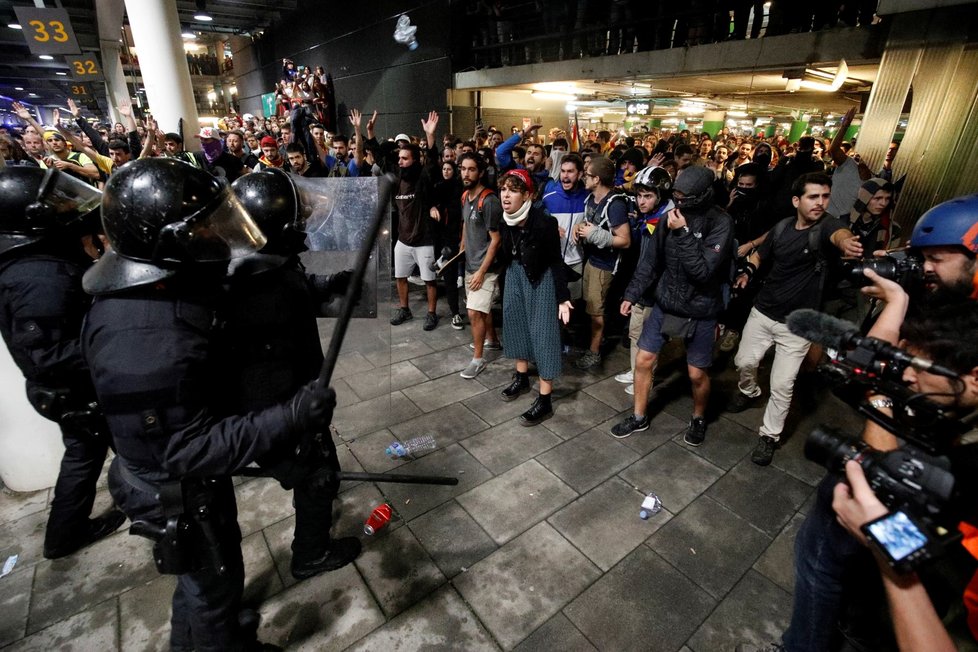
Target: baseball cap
point(268, 141)
point(209, 132)
point(402, 137)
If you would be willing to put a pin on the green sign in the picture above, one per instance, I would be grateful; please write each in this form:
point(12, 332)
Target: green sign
point(268, 104)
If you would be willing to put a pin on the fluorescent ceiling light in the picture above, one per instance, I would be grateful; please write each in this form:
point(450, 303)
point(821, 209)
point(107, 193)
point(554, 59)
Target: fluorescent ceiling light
point(63, 74)
point(45, 57)
point(14, 26)
point(737, 114)
point(562, 97)
point(188, 35)
point(202, 17)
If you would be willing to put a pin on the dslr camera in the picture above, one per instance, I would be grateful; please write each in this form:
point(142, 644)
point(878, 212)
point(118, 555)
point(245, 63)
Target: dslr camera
point(899, 267)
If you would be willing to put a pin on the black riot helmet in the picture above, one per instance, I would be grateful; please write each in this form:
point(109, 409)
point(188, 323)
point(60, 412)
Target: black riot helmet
point(272, 200)
point(657, 180)
point(35, 203)
point(162, 215)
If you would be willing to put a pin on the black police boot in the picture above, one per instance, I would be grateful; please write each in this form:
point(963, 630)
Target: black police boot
point(340, 553)
point(97, 528)
point(520, 385)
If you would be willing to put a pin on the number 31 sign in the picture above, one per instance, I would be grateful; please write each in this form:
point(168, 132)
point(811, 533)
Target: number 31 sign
point(48, 31)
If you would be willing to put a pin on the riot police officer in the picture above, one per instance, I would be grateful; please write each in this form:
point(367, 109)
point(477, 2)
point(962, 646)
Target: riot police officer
point(149, 340)
point(274, 349)
point(43, 214)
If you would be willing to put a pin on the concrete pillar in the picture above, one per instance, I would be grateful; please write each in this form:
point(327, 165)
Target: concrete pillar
point(156, 31)
point(109, 14)
point(713, 122)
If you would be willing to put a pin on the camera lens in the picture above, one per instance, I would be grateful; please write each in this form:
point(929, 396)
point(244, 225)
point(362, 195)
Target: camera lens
point(831, 448)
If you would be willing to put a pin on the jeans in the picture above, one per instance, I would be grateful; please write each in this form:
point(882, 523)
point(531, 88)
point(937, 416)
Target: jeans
point(824, 555)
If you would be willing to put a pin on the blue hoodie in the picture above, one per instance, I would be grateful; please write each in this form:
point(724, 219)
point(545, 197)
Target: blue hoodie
point(568, 208)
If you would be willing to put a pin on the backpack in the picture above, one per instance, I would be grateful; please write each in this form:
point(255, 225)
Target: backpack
point(482, 198)
point(603, 223)
point(814, 245)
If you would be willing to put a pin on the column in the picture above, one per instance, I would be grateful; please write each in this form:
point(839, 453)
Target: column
point(798, 128)
point(109, 14)
point(156, 31)
point(713, 122)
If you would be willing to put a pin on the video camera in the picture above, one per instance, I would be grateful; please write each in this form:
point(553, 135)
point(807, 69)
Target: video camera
point(916, 482)
point(900, 266)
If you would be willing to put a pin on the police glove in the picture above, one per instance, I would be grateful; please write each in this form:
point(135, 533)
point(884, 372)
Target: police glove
point(334, 284)
point(311, 409)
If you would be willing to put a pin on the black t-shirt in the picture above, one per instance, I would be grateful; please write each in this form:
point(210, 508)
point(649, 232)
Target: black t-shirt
point(792, 281)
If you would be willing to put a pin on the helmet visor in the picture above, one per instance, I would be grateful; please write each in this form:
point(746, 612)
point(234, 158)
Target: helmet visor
point(66, 197)
point(219, 232)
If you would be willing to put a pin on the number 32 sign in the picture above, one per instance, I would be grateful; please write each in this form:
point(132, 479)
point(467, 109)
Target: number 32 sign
point(48, 31)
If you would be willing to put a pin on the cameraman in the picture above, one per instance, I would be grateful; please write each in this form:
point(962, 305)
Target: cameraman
point(947, 336)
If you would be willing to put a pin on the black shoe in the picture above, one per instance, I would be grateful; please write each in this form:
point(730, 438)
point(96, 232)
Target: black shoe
point(628, 426)
point(430, 321)
point(540, 411)
point(340, 553)
point(764, 451)
point(98, 528)
point(520, 385)
point(696, 432)
point(401, 315)
point(741, 402)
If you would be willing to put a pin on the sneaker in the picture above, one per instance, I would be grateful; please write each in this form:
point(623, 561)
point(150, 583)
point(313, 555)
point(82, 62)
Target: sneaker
point(474, 369)
point(340, 553)
point(632, 424)
point(729, 341)
point(515, 388)
point(588, 360)
point(401, 315)
point(488, 346)
point(741, 402)
point(696, 432)
point(630, 390)
point(95, 529)
point(414, 279)
point(430, 321)
point(764, 451)
point(459, 283)
point(626, 378)
point(540, 411)
point(457, 322)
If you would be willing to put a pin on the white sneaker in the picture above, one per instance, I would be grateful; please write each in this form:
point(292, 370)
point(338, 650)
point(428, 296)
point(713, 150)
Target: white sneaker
point(415, 280)
point(630, 390)
point(459, 283)
point(488, 346)
point(626, 378)
point(475, 368)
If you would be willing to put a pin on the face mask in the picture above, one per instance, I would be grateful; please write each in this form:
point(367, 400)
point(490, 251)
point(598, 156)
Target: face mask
point(763, 158)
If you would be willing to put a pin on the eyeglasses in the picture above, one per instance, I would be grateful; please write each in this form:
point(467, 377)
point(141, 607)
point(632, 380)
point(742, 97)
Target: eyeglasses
point(593, 176)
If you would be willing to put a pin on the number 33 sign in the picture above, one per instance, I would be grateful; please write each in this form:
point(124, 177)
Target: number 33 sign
point(48, 31)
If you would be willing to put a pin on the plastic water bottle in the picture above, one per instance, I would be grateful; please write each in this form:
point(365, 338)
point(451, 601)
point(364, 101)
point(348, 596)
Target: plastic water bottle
point(412, 447)
point(650, 506)
point(378, 518)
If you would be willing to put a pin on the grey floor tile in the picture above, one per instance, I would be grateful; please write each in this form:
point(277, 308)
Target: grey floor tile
point(576, 413)
point(489, 407)
point(643, 603)
point(710, 544)
point(442, 363)
point(726, 443)
point(344, 395)
point(662, 428)
point(386, 379)
point(411, 500)
point(504, 446)
point(15, 505)
point(95, 628)
point(516, 500)
point(24, 538)
point(756, 611)
point(14, 601)
point(452, 538)
point(558, 633)
point(261, 575)
point(790, 457)
point(611, 393)
point(500, 371)
point(674, 474)
point(370, 451)
point(588, 459)
point(64, 587)
point(450, 423)
point(326, 612)
point(778, 561)
point(398, 570)
point(604, 523)
point(144, 615)
point(261, 502)
point(438, 393)
point(372, 415)
point(441, 621)
point(351, 363)
point(765, 496)
point(398, 352)
point(520, 586)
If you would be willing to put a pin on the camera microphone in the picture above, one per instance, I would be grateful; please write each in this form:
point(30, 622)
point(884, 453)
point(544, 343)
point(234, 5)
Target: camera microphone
point(839, 334)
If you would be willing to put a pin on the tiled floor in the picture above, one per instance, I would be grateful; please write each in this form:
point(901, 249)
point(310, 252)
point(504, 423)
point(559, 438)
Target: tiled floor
point(539, 546)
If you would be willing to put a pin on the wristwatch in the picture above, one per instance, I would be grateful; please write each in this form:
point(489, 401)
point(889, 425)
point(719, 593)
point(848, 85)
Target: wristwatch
point(879, 403)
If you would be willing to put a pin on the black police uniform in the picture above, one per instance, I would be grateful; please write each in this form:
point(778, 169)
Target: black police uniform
point(151, 351)
point(273, 350)
point(41, 310)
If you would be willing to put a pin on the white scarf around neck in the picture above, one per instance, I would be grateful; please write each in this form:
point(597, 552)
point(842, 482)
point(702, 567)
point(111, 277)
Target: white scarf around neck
point(517, 218)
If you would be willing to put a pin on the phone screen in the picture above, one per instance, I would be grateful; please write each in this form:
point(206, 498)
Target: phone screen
point(898, 535)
